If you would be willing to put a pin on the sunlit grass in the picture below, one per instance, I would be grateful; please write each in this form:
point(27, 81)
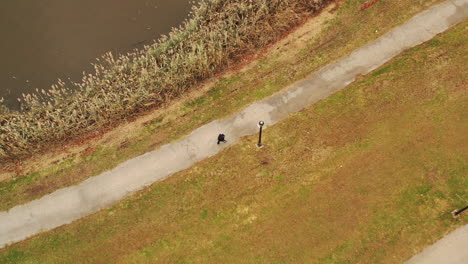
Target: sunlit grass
point(360, 177)
point(228, 95)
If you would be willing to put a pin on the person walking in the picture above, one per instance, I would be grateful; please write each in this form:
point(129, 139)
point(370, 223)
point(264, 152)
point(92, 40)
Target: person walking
point(221, 138)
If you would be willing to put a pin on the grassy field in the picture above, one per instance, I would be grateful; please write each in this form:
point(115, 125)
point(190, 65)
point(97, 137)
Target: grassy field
point(369, 175)
point(345, 28)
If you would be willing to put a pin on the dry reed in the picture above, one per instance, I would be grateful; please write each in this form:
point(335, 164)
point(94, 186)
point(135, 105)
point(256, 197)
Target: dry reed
point(218, 33)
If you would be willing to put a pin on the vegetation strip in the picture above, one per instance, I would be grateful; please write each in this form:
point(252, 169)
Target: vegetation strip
point(368, 175)
point(217, 35)
point(75, 202)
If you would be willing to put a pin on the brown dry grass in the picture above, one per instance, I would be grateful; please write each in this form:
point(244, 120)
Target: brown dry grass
point(304, 51)
point(369, 175)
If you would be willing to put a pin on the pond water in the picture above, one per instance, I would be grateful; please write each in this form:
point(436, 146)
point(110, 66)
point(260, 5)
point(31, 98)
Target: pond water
point(43, 40)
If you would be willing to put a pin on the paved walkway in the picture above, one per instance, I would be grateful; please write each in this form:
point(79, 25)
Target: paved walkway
point(69, 204)
point(452, 249)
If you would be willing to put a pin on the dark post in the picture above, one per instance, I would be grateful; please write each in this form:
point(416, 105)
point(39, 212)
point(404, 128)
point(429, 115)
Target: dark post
point(457, 212)
point(261, 123)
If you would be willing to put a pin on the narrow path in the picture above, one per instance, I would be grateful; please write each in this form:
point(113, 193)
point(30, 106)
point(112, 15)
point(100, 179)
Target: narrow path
point(69, 204)
point(452, 249)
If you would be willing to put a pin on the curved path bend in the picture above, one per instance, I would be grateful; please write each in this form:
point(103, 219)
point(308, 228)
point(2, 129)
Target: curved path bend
point(68, 204)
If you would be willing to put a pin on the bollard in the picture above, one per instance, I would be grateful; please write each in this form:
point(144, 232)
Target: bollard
point(260, 124)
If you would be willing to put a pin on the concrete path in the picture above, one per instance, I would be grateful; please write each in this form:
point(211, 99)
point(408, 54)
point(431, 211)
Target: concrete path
point(68, 204)
point(452, 249)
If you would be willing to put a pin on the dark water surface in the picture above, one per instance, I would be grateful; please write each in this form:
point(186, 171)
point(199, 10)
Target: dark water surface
point(43, 40)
